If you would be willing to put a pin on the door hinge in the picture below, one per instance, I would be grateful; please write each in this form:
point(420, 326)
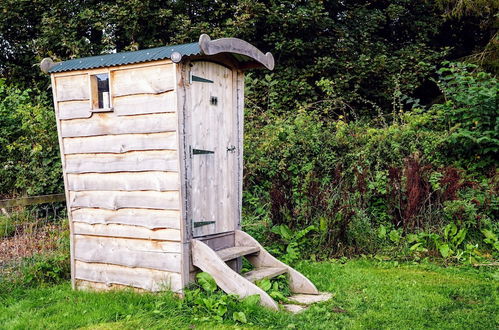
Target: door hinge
point(199, 79)
point(202, 223)
point(201, 152)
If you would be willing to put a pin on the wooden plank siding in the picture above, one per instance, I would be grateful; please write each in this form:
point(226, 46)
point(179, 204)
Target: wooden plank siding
point(127, 181)
point(121, 172)
point(109, 123)
point(114, 200)
point(147, 218)
point(143, 80)
point(144, 278)
point(125, 231)
point(73, 88)
point(74, 109)
point(127, 162)
point(128, 252)
point(144, 104)
point(120, 143)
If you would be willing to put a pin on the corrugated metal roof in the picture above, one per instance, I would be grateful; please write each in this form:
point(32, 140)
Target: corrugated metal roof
point(145, 55)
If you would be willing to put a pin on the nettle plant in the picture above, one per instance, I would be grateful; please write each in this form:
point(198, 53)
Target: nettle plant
point(213, 305)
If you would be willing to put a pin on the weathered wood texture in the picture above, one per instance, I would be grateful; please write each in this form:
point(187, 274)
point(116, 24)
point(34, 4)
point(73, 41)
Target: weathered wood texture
point(144, 103)
point(297, 282)
point(148, 279)
point(109, 123)
point(127, 162)
point(264, 272)
point(234, 45)
point(125, 231)
point(151, 219)
point(128, 181)
point(143, 80)
point(129, 252)
point(114, 200)
point(96, 286)
point(72, 88)
point(120, 143)
point(227, 279)
point(122, 179)
point(212, 126)
point(64, 177)
point(74, 109)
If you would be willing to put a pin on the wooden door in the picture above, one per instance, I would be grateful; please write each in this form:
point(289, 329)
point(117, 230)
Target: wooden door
point(212, 149)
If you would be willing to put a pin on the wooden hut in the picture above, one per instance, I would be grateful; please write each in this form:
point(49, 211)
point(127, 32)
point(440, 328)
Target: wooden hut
point(151, 147)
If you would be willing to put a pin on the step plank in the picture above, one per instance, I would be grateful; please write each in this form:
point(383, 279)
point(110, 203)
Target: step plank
point(300, 302)
point(295, 309)
point(308, 299)
point(264, 272)
point(236, 251)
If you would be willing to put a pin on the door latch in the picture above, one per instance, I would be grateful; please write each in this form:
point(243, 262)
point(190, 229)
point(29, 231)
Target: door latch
point(231, 149)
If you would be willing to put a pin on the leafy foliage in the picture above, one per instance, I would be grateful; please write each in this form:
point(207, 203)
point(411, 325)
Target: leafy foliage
point(348, 135)
point(469, 110)
point(363, 185)
point(29, 151)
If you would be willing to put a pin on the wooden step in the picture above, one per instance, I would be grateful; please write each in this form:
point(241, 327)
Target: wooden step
point(236, 251)
point(300, 302)
point(264, 272)
point(308, 299)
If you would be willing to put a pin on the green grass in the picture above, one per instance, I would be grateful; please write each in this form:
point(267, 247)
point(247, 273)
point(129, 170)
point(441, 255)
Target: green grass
point(367, 295)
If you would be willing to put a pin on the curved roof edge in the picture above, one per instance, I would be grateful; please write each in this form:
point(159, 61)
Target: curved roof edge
point(236, 46)
point(240, 49)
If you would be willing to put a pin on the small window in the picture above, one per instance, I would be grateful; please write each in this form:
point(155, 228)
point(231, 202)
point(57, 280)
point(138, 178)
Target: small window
point(100, 91)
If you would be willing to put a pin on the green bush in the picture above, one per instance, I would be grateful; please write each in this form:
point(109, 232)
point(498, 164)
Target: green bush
point(404, 171)
point(29, 152)
point(51, 269)
point(470, 111)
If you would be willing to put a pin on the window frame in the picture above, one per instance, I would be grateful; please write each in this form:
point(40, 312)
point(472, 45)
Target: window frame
point(94, 92)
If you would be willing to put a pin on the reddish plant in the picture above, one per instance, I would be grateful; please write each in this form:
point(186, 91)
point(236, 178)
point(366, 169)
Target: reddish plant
point(451, 181)
point(280, 200)
point(417, 190)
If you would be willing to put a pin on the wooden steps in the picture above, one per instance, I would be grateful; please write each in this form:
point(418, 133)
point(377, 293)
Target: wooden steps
point(264, 272)
point(266, 266)
point(236, 252)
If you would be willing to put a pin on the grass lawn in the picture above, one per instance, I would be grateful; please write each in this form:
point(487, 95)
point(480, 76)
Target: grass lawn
point(367, 294)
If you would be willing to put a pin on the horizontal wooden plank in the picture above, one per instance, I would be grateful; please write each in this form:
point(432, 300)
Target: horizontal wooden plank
point(96, 286)
point(144, 104)
point(128, 252)
point(113, 200)
point(116, 230)
point(109, 123)
point(73, 87)
point(74, 109)
point(148, 218)
point(264, 272)
point(153, 79)
point(128, 181)
point(147, 279)
point(33, 200)
point(135, 161)
point(120, 143)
